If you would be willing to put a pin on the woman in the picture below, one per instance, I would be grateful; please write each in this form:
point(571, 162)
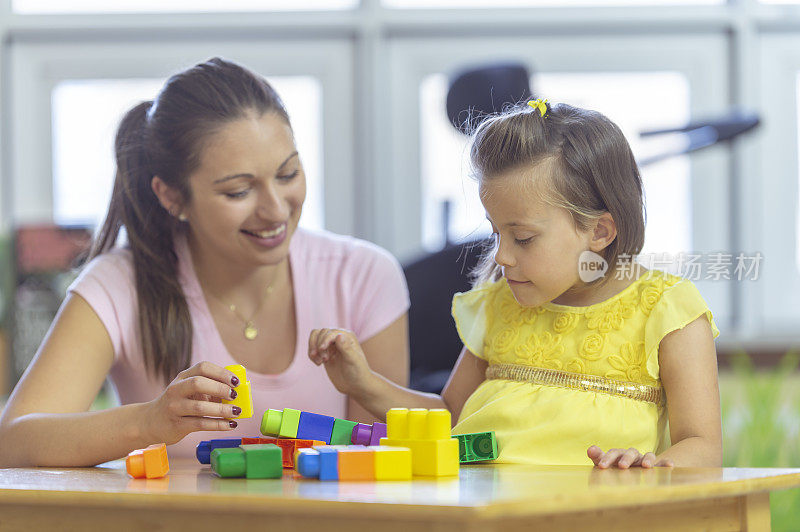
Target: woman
point(209, 189)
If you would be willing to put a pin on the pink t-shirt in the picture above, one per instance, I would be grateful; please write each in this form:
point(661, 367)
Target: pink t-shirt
point(339, 281)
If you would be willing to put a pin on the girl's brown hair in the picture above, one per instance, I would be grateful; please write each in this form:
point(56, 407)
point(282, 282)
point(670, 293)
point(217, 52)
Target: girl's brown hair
point(164, 138)
point(592, 170)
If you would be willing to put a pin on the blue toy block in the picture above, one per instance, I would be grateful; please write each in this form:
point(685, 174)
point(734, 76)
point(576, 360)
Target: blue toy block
point(203, 452)
point(210, 445)
point(307, 463)
point(315, 427)
point(328, 463)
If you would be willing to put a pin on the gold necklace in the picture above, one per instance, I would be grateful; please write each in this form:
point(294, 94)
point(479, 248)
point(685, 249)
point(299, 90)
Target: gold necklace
point(250, 330)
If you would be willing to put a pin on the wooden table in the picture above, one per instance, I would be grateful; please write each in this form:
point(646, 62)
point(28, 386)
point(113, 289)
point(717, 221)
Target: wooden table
point(483, 497)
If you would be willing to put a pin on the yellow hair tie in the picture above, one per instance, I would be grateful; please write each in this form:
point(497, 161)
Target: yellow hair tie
point(541, 105)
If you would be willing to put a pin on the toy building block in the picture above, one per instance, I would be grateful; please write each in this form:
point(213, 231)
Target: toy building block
point(280, 423)
point(315, 427)
point(244, 398)
point(476, 447)
point(392, 463)
point(354, 462)
point(368, 434)
point(205, 447)
point(427, 433)
point(249, 461)
point(150, 462)
point(290, 445)
point(342, 433)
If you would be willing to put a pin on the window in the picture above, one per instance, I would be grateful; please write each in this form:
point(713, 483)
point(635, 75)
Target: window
point(416, 4)
point(86, 114)
point(635, 101)
point(29, 7)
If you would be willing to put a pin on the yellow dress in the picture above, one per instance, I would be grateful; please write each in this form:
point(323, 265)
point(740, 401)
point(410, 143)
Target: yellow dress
point(562, 378)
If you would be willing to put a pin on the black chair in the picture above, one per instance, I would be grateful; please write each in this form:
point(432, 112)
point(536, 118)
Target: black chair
point(473, 94)
point(432, 282)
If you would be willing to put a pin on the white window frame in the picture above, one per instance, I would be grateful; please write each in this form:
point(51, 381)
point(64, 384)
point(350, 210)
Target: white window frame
point(701, 58)
point(371, 163)
point(37, 67)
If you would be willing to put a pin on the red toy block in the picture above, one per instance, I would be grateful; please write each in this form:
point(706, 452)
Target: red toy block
point(151, 462)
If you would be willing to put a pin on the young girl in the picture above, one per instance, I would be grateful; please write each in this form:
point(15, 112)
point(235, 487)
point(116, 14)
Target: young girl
point(209, 189)
point(608, 371)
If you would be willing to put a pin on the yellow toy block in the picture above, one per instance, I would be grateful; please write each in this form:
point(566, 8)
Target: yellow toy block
point(244, 399)
point(427, 434)
point(392, 463)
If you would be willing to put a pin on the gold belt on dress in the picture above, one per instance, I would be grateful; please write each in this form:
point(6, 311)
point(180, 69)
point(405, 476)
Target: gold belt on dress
point(576, 381)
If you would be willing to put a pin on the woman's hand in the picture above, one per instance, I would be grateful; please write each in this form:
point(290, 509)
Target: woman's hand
point(624, 459)
point(343, 357)
point(192, 402)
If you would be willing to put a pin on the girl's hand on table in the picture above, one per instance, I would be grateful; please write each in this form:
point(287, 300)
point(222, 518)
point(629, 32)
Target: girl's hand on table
point(192, 402)
point(624, 459)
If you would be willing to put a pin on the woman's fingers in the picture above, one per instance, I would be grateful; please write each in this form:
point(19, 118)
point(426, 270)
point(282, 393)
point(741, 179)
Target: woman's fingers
point(211, 371)
point(203, 385)
point(189, 407)
point(191, 424)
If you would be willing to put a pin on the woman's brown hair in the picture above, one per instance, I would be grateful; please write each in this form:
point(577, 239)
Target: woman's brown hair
point(164, 138)
point(592, 170)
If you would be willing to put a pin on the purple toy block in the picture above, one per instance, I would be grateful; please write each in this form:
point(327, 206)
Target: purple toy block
point(315, 427)
point(361, 434)
point(364, 434)
point(378, 432)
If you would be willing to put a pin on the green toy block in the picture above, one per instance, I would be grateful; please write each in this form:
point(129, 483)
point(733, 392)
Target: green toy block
point(271, 422)
point(476, 447)
point(263, 460)
point(289, 423)
point(228, 462)
point(342, 433)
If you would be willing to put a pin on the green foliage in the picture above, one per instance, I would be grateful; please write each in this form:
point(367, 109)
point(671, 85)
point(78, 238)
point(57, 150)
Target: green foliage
point(761, 425)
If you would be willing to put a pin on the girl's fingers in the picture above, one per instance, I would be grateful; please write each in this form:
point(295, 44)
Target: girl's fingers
point(594, 453)
point(610, 458)
point(203, 385)
point(629, 458)
point(648, 460)
point(667, 462)
point(313, 352)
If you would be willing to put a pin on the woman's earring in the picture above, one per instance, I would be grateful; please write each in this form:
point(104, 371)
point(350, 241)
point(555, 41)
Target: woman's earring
point(182, 217)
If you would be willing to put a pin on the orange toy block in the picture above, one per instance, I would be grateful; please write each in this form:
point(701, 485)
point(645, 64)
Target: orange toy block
point(151, 462)
point(356, 464)
point(289, 447)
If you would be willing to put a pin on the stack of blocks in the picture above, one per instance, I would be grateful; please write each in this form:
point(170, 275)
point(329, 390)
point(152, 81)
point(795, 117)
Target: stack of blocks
point(291, 423)
point(476, 447)
point(206, 447)
point(427, 433)
point(151, 462)
point(354, 462)
point(244, 398)
point(289, 446)
point(249, 461)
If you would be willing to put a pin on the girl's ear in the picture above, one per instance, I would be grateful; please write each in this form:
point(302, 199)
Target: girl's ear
point(605, 231)
point(168, 197)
